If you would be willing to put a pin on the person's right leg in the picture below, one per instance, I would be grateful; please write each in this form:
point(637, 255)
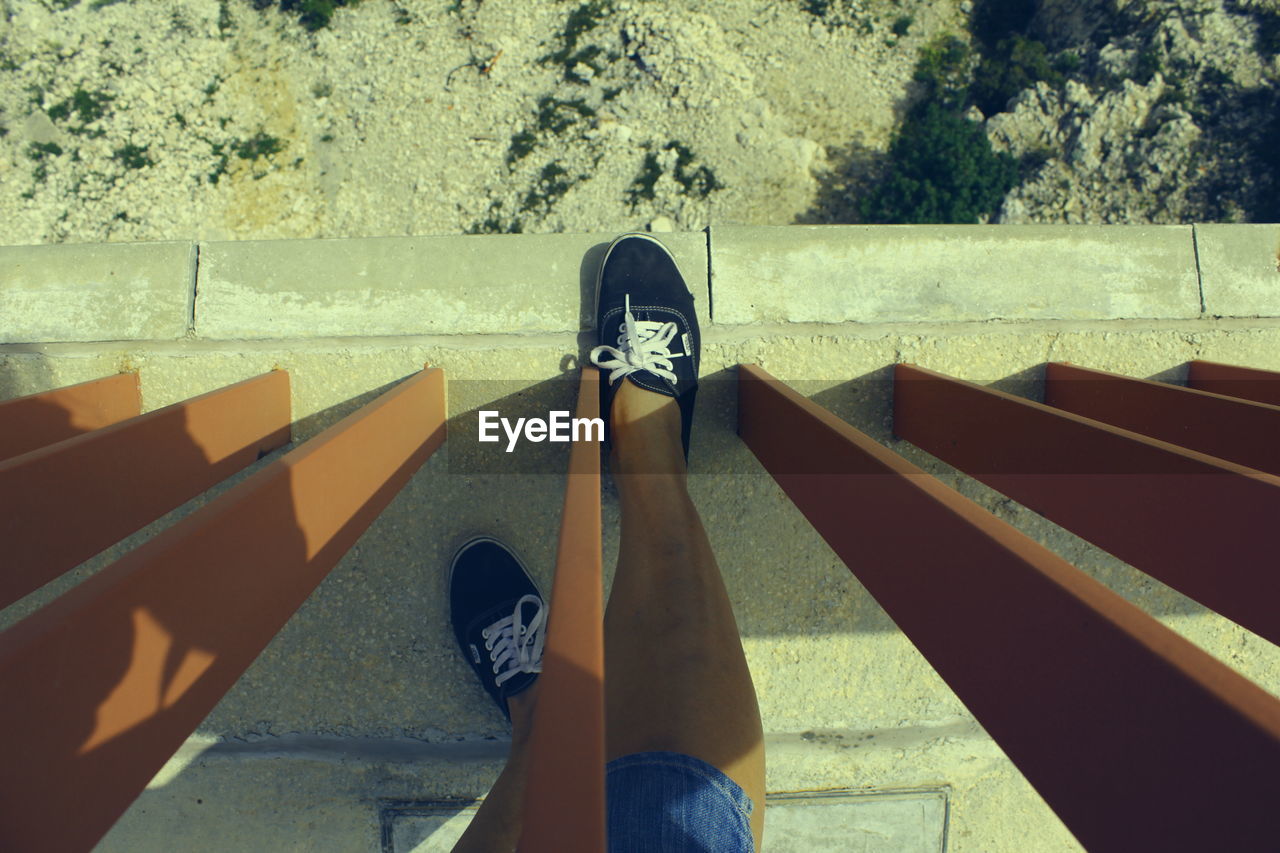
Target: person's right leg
point(676, 678)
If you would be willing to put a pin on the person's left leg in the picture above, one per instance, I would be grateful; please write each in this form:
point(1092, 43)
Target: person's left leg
point(496, 825)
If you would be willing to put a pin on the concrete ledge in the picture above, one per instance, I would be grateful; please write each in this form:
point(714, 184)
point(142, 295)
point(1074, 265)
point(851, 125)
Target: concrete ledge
point(472, 284)
point(1240, 269)
point(96, 291)
point(948, 273)
point(528, 284)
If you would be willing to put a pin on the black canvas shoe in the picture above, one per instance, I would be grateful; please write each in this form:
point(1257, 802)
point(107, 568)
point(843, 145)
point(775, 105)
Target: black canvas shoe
point(648, 327)
point(498, 616)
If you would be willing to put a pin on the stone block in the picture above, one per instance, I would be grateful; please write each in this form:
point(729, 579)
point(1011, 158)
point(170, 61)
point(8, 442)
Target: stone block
point(1240, 269)
point(951, 273)
point(96, 291)
point(443, 285)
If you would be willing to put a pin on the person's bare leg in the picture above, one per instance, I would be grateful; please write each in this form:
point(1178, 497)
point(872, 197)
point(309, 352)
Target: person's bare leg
point(676, 678)
point(496, 826)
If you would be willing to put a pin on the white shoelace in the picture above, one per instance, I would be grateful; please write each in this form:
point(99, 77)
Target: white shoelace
point(514, 644)
point(642, 345)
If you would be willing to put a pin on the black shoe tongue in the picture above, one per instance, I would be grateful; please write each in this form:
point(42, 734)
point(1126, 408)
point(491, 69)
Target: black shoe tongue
point(501, 611)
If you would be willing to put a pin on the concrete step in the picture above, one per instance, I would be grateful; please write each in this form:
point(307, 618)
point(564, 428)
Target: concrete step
point(362, 702)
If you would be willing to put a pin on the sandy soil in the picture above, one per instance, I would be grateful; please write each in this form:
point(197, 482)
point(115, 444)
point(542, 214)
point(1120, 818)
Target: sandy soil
point(181, 119)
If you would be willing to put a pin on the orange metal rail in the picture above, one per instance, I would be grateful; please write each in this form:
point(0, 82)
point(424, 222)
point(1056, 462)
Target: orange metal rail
point(1261, 386)
point(65, 502)
point(1200, 524)
point(1136, 738)
point(564, 806)
point(104, 684)
point(1229, 428)
point(31, 422)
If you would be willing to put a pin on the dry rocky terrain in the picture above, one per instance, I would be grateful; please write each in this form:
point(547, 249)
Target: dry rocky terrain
point(137, 120)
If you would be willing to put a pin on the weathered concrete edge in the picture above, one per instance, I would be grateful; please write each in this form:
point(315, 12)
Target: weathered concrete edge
point(923, 273)
point(91, 292)
point(1239, 268)
point(1246, 301)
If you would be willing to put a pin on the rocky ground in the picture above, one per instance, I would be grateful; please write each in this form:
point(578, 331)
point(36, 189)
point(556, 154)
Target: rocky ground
point(1171, 116)
point(128, 120)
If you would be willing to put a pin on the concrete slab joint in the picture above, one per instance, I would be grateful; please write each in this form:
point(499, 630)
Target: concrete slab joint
point(1240, 269)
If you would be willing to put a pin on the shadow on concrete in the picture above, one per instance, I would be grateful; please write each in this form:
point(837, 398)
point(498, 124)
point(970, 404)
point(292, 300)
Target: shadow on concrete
point(116, 672)
point(22, 374)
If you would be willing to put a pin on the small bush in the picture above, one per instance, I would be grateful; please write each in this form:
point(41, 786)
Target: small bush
point(943, 170)
point(1268, 154)
point(993, 21)
point(133, 157)
point(312, 14)
point(945, 67)
point(88, 106)
point(1017, 63)
point(39, 150)
point(1268, 33)
point(1147, 65)
point(259, 145)
point(1067, 63)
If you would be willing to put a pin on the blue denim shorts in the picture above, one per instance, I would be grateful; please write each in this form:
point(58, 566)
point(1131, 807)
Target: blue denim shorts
point(669, 802)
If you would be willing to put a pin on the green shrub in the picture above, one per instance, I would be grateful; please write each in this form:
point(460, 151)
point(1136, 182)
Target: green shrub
point(312, 14)
point(944, 68)
point(133, 157)
point(942, 170)
point(1017, 63)
point(259, 145)
point(1268, 33)
point(1268, 154)
point(1011, 60)
point(993, 21)
point(88, 106)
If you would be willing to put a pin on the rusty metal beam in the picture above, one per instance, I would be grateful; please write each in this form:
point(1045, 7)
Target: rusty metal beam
point(31, 422)
point(65, 502)
point(103, 685)
point(566, 758)
point(1136, 738)
point(1261, 386)
point(1240, 431)
point(1200, 524)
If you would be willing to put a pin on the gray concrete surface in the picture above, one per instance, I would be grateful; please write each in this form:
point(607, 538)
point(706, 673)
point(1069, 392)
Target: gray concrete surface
point(522, 284)
point(479, 284)
point(1240, 268)
point(362, 697)
point(951, 273)
point(96, 291)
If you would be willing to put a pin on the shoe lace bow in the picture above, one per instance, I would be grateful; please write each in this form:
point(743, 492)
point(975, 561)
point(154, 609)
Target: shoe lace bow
point(514, 644)
point(642, 345)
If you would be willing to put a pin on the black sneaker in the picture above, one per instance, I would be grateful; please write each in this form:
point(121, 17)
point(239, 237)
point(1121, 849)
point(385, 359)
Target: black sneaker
point(498, 617)
point(647, 325)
